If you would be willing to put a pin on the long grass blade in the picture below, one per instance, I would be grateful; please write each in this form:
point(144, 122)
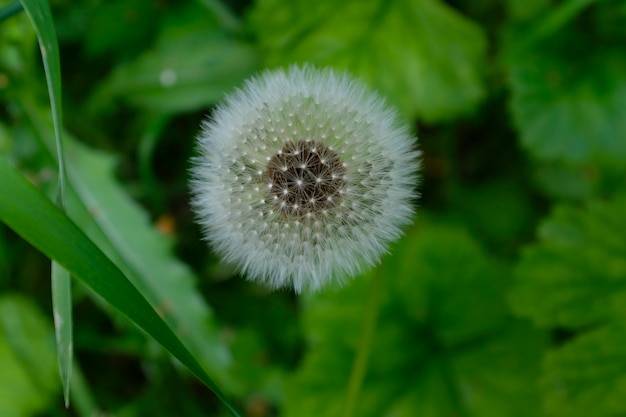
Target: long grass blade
point(30, 214)
point(41, 17)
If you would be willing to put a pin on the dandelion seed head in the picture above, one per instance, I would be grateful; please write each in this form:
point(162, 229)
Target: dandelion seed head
point(304, 178)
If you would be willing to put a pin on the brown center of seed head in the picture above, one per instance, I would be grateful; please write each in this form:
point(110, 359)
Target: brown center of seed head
point(304, 178)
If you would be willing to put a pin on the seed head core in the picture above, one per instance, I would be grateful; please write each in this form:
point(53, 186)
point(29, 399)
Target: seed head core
point(304, 178)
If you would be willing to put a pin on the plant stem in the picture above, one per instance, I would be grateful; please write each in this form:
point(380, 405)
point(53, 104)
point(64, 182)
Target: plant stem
point(359, 367)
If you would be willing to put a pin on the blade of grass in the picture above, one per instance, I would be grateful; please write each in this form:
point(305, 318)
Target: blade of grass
point(100, 207)
point(41, 17)
point(62, 313)
point(30, 214)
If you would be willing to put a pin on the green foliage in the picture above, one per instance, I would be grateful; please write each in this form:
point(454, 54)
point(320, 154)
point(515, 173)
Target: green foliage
point(29, 372)
point(62, 241)
point(403, 48)
point(579, 268)
point(569, 95)
point(444, 343)
point(41, 16)
point(121, 230)
point(520, 107)
point(167, 78)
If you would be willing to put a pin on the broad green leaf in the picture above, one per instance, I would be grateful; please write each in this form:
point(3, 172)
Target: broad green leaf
point(586, 376)
point(578, 267)
point(443, 346)
point(575, 278)
point(568, 105)
point(28, 381)
point(135, 21)
point(41, 17)
point(423, 55)
point(30, 214)
point(190, 67)
point(122, 230)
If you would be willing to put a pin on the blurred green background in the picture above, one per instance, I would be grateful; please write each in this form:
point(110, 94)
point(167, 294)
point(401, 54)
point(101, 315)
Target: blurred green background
point(506, 298)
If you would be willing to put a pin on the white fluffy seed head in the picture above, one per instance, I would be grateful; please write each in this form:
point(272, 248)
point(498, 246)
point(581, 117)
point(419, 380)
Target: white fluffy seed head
point(304, 178)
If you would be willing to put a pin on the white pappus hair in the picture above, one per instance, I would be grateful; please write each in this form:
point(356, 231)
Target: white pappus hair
point(304, 177)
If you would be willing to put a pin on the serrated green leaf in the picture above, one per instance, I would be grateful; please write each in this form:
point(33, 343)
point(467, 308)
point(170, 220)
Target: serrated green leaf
point(586, 377)
point(575, 278)
point(122, 230)
point(443, 344)
point(30, 214)
point(576, 275)
point(423, 55)
point(28, 381)
point(190, 67)
point(568, 106)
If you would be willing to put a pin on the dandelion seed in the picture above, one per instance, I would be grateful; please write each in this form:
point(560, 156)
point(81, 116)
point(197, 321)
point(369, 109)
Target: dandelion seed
point(340, 217)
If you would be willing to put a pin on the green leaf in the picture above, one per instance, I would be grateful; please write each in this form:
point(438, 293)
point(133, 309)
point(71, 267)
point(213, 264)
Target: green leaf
point(31, 215)
point(41, 17)
point(423, 55)
point(578, 267)
point(575, 278)
point(10, 10)
point(122, 230)
point(136, 20)
point(62, 311)
point(190, 67)
point(28, 381)
point(570, 107)
point(443, 346)
point(586, 377)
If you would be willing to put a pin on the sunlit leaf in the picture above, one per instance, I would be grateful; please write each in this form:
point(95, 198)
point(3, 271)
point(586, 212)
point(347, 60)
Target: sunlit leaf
point(29, 380)
point(423, 55)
